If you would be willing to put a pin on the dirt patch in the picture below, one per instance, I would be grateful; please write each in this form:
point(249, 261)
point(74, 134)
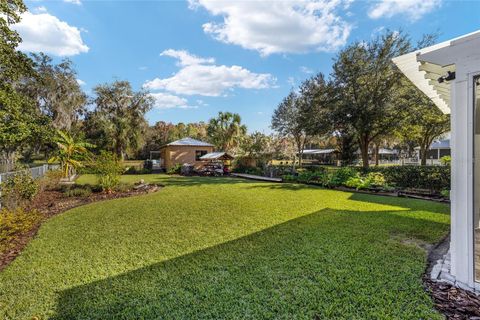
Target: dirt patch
point(51, 203)
point(408, 241)
point(418, 243)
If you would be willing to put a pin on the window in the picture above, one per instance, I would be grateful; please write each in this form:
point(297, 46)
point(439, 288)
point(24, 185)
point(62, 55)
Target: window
point(199, 154)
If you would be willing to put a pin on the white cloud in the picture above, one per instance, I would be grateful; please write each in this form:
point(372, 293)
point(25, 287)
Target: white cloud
point(40, 9)
point(201, 102)
point(169, 101)
point(413, 9)
point(198, 77)
point(291, 81)
point(269, 27)
point(46, 33)
point(306, 70)
point(81, 82)
point(185, 58)
point(77, 2)
point(142, 68)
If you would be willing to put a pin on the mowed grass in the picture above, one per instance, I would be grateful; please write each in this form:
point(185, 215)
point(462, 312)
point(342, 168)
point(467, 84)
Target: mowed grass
point(224, 248)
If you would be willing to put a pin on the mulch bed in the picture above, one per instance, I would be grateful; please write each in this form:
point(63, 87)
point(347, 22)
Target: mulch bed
point(453, 302)
point(50, 203)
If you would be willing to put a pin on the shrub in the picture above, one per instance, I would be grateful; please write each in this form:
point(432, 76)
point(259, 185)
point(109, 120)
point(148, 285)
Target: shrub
point(376, 179)
point(254, 171)
point(51, 180)
point(78, 191)
point(446, 160)
point(14, 222)
point(354, 182)
point(433, 178)
point(289, 178)
point(341, 176)
point(135, 170)
point(123, 187)
point(319, 177)
point(18, 189)
point(108, 169)
point(372, 179)
point(176, 169)
point(445, 193)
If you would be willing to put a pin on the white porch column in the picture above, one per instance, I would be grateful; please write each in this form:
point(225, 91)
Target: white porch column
point(461, 246)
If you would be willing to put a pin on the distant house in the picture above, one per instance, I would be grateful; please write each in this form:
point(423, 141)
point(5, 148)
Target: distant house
point(439, 149)
point(385, 155)
point(186, 150)
point(320, 156)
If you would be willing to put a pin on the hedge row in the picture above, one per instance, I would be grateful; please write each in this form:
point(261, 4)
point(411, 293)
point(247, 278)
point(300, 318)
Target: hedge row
point(433, 178)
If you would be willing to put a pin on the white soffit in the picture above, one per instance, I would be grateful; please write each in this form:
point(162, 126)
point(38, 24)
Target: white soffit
point(423, 67)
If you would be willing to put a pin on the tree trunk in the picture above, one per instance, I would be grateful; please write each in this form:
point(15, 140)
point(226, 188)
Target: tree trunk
point(423, 156)
point(364, 151)
point(377, 152)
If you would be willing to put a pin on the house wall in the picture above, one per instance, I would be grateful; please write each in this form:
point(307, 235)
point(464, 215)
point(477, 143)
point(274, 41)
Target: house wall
point(462, 199)
point(182, 154)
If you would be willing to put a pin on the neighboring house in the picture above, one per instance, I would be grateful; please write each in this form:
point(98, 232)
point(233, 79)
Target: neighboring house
point(384, 155)
point(319, 156)
point(437, 150)
point(186, 150)
point(449, 74)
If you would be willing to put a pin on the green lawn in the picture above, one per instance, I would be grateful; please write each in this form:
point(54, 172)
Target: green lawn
point(215, 248)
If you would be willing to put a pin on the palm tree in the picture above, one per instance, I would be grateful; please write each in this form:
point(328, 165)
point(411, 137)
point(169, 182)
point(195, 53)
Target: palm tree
point(226, 130)
point(70, 152)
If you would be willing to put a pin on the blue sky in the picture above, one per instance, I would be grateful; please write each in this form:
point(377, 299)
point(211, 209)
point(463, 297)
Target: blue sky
point(199, 57)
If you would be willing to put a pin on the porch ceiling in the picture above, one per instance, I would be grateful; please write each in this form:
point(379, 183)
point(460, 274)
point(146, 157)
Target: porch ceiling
point(425, 66)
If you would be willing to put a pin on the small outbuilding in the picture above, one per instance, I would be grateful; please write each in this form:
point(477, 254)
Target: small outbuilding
point(216, 162)
point(184, 151)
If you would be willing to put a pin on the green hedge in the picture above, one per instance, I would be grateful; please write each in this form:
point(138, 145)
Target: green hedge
point(433, 178)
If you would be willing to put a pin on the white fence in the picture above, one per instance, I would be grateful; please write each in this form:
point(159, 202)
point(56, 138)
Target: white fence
point(36, 172)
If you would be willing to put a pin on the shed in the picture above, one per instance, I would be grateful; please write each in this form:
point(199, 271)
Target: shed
point(184, 151)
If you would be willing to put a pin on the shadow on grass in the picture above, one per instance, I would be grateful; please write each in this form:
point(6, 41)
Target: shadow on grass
point(285, 186)
point(409, 203)
point(195, 180)
point(328, 264)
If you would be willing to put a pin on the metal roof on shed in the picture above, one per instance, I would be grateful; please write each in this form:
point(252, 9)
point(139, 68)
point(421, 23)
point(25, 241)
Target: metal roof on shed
point(189, 142)
point(217, 156)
